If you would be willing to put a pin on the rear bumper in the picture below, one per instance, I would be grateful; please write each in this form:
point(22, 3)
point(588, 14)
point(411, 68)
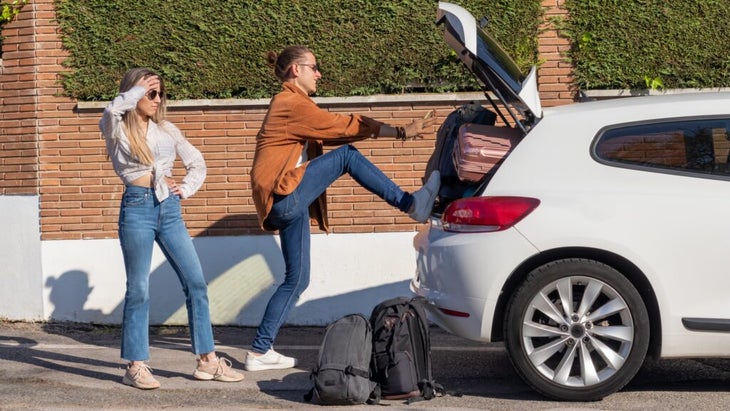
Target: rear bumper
point(461, 275)
point(472, 327)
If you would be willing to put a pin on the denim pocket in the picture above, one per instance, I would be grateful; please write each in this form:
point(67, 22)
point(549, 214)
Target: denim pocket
point(132, 199)
point(172, 204)
point(285, 206)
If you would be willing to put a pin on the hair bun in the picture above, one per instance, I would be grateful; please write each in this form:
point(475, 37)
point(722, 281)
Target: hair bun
point(272, 57)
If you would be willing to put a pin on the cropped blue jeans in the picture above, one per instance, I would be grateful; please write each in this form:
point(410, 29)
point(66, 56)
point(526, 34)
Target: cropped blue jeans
point(290, 215)
point(143, 221)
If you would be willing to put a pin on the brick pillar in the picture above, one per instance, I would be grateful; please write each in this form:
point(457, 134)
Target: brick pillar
point(556, 75)
point(18, 99)
point(45, 147)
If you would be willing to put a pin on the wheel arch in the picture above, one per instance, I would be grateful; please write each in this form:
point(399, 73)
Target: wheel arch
point(619, 263)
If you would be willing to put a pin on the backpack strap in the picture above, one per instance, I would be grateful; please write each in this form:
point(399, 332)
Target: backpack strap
point(375, 396)
point(347, 369)
point(308, 396)
point(357, 372)
point(401, 310)
point(417, 304)
point(429, 390)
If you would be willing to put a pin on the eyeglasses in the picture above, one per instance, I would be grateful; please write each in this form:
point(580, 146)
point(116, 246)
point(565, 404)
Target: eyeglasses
point(314, 67)
point(152, 94)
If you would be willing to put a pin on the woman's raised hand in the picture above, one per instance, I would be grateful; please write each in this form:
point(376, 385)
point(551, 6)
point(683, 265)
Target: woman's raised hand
point(149, 82)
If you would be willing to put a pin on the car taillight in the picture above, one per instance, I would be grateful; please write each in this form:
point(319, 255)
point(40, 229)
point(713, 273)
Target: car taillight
point(486, 214)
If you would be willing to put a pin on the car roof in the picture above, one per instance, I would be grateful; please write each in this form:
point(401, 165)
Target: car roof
point(655, 106)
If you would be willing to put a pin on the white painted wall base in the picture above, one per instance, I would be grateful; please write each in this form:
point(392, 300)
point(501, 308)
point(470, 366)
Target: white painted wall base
point(84, 280)
point(21, 295)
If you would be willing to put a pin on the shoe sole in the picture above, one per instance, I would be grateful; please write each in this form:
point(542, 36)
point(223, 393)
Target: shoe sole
point(132, 383)
point(204, 376)
point(264, 367)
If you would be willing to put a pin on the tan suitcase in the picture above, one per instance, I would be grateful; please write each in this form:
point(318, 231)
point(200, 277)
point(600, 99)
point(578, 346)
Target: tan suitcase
point(479, 148)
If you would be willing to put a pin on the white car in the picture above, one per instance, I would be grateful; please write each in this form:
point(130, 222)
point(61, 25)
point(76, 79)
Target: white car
point(602, 238)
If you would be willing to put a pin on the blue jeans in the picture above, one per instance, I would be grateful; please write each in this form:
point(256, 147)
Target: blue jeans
point(143, 221)
point(290, 215)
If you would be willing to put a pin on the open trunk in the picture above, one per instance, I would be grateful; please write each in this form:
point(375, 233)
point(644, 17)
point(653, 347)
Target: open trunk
point(513, 109)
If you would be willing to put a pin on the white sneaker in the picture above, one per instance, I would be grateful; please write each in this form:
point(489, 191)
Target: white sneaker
point(272, 360)
point(424, 198)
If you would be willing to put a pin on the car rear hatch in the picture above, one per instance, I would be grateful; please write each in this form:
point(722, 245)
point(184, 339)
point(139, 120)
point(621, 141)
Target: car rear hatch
point(484, 56)
point(512, 94)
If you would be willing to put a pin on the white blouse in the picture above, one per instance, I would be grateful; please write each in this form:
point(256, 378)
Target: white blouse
point(165, 142)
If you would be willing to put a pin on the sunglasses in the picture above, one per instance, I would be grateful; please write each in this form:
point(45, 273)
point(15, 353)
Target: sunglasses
point(152, 94)
point(314, 67)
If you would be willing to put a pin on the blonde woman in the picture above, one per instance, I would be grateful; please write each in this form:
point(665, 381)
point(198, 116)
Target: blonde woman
point(143, 146)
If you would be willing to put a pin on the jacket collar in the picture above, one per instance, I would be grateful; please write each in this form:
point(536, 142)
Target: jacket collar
point(293, 88)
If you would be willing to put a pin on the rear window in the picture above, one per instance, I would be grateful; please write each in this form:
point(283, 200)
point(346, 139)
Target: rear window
point(492, 52)
point(698, 146)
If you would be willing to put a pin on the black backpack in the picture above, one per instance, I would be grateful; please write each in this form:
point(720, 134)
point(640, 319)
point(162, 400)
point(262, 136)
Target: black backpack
point(402, 350)
point(342, 374)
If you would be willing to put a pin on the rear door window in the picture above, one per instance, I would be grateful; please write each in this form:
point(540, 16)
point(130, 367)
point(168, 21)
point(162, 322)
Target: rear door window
point(689, 146)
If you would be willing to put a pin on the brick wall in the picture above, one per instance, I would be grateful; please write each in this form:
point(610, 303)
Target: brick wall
point(18, 97)
point(555, 74)
point(51, 145)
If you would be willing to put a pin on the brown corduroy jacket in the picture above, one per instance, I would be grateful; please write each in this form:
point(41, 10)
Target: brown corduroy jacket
point(293, 119)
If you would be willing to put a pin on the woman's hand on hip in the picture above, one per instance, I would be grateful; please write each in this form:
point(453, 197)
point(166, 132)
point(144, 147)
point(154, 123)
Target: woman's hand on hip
point(172, 185)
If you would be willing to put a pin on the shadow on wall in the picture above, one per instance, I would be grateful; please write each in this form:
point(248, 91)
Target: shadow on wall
point(69, 293)
point(242, 273)
point(239, 271)
point(360, 301)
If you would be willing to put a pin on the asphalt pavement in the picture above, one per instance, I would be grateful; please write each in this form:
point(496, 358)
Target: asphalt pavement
point(77, 366)
point(62, 366)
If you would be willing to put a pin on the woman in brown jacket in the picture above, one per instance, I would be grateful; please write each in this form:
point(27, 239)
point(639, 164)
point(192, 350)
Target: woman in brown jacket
point(290, 175)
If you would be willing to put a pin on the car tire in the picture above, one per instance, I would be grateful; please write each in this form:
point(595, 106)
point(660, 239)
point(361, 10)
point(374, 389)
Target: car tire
point(585, 354)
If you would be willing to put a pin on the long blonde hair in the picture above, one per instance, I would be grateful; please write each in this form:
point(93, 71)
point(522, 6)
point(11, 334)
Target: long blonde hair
point(133, 121)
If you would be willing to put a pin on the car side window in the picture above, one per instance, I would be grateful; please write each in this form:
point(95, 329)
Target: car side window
point(698, 146)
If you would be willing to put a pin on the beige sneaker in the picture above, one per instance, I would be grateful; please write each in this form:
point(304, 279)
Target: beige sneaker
point(216, 370)
point(272, 360)
point(140, 376)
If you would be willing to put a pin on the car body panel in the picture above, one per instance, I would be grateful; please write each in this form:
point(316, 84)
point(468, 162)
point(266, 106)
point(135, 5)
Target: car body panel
point(659, 221)
point(626, 252)
point(617, 210)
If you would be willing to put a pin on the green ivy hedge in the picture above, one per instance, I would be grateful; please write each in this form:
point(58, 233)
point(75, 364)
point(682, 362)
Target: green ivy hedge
point(8, 11)
point(649, 43)
point(216, 49)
